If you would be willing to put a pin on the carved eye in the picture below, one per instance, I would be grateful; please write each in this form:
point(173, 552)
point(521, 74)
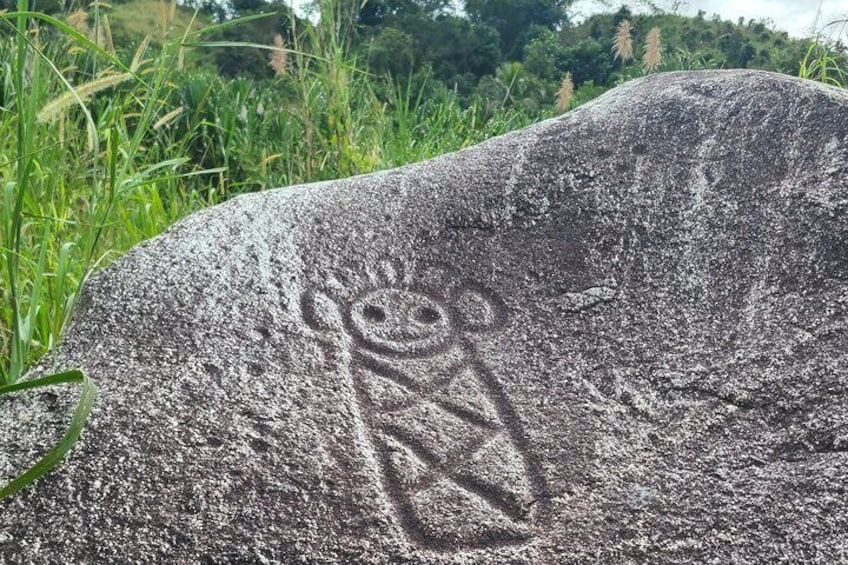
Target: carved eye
point(374, 314)
point(427, 315)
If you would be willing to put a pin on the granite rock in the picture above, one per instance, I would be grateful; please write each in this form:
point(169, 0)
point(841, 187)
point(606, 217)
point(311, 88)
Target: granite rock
point(615, 336)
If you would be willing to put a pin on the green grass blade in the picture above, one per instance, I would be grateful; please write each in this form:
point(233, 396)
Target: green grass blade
point(251, 45)
point(72, 434)
point(230, 23)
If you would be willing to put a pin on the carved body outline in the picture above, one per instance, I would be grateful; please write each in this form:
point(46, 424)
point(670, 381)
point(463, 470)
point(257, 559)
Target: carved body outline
point(365, 355)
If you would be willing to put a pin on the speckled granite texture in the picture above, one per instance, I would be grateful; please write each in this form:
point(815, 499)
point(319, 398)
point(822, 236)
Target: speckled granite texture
point(618, 336)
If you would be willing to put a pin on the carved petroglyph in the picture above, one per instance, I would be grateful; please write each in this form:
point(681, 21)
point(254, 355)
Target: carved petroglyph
point(453, 458)
point(579, 301)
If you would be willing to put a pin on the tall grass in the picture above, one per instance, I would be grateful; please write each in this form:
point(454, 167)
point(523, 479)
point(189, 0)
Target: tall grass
point(78, 161)
point(822, 64)
point(826, 58)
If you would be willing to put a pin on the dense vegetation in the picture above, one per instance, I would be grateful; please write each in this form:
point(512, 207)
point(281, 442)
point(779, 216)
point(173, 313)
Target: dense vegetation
point(115, 121)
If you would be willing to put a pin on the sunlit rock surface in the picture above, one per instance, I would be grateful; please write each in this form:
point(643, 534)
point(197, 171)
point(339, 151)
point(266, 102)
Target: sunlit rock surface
point(616, 336)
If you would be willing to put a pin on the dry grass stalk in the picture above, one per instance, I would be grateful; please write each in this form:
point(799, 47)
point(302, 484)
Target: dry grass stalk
point(55, 107)
point(167, 14)
point(622, 48)
point(102, 35)
point(653, 53)
point(279, 57)
point(108, 44)
point(565, 93)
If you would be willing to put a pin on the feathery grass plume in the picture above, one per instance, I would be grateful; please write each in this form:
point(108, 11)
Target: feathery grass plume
point(622, 48)
point(78, 20)
point(52, 109)
point(279, 57)
point(653, 54)
point(564, 94)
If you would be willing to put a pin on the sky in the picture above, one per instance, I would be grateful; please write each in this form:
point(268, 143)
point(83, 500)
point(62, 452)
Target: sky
point(798, 17)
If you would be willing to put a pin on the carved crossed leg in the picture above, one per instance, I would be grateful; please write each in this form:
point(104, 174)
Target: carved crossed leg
point(454, 472)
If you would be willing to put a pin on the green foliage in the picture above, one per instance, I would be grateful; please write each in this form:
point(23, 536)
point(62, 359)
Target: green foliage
point(458, 52)
point(25, 279)
point(260, 23)
point(133, 20)
point(512, 19)
point(404, 39)
point(826, 61)
point(690, 43)
point(513, 86)
point(392, 52)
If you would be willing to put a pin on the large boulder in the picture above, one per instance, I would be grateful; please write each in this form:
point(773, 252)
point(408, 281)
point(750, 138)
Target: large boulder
point(616, 336)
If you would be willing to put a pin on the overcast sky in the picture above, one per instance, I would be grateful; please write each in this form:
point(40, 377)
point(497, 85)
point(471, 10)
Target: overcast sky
point(798, 17)
point(801, 18)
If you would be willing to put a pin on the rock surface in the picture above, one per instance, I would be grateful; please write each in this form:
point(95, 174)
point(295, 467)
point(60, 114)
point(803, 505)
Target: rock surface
point(616, 336)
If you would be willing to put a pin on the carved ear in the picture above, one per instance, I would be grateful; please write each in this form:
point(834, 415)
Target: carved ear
point(320, 312)
point(478, 308)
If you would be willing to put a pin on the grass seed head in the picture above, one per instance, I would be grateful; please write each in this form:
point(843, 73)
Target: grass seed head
point(83, 92)
point(279, 57)
point(565, 93)
point(622, 48)
point(653, 53)
point(78, 20)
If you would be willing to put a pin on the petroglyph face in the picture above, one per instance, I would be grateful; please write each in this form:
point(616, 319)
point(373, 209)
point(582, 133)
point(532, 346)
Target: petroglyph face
point(399, 321)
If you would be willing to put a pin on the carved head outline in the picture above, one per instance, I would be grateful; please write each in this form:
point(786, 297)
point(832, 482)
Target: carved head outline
point(391, 311)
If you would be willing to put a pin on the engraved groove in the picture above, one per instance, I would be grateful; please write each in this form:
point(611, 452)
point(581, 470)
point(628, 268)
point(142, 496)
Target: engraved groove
point(497, 498)
point(387, 371)
point(516, 434)
point(452, 454)
point(466, 415)
point(308, 310)
point(411, 526)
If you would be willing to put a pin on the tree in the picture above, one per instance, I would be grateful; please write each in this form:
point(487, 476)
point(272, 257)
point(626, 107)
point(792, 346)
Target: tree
point(511, 86)
point(378, 13)
point(392, 52)
point(588, 61)
point(234, 61)
point(456, 46)
point(544, 56)
point(513, 18)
